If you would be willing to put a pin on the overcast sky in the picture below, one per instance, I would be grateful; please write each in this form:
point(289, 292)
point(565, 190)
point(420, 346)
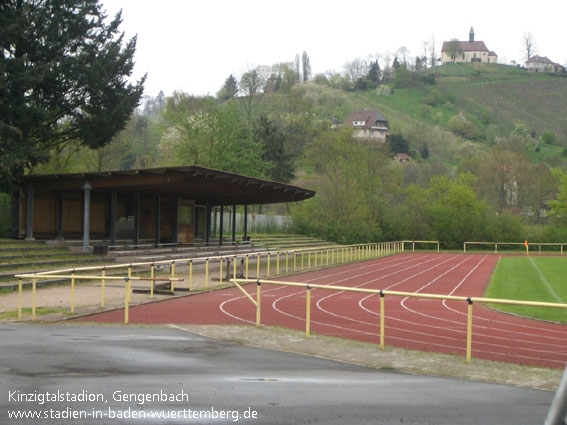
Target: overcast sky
point(193, 46)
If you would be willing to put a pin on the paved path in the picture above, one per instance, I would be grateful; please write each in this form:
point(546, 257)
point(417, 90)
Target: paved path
point(211, 377)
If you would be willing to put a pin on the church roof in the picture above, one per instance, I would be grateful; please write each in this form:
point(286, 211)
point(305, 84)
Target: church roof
point(467, 46)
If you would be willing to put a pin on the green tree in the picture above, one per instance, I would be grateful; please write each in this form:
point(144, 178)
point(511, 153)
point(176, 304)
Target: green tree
point(229, 88)
point(347, 177)
point(272, 140)
point(454, 49)
point(63, 79)
point(559, 205)
point(214, 137)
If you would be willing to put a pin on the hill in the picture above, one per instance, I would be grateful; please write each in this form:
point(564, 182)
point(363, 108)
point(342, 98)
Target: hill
point(494, 100)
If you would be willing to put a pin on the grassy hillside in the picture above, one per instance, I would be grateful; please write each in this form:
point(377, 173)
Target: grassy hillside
point(508, 95)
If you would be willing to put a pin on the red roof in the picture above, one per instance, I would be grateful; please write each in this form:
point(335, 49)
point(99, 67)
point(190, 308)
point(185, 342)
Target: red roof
point(467, 46)
point(371, 118)
point(540, 59)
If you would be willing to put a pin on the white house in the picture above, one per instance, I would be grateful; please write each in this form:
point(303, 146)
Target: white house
point(368, 125)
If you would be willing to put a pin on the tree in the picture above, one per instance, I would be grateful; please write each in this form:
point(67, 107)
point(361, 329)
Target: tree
point(229, 88)
point(272, 139)
point(63, 79)
point(306, 66)
point(559, 205)
point(213, 137)
point(454, 49)
point(250, 84)
point(529, 45)
point(432, 52)
point(374, 72)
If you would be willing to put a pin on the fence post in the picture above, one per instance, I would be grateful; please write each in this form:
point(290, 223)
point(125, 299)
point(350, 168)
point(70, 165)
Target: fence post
point(191, 274)
point(286, 261)
point(246, 268)
point(234, 267)
point(126, 300)
point(220, 273)
point(278, 264)
point(207, 273)
point(73, 292)
point(294, 261)
point(102, 284)
point(382, 314)
point(34, 288)
point(258, 295)
point(258, 267)
point(152, 281)
point(20, 288)
point(268, 266)
point(172, 276)
point(308, 313)
point(469, 329)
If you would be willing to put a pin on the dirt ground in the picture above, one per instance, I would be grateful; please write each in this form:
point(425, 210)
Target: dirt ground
point(88, 295)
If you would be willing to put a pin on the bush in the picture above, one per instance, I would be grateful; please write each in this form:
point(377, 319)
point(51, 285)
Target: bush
point(461, 126)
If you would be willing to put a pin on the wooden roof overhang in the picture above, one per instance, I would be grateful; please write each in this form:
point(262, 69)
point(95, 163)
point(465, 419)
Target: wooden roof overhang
point(204, 185)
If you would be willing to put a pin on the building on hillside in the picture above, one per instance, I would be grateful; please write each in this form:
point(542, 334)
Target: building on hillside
point(467, 51)
point(368, 125)
point(402, 158)
point(543, 64)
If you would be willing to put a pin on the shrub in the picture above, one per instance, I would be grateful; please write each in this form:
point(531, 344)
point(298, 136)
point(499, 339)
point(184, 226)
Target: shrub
point(461, 126)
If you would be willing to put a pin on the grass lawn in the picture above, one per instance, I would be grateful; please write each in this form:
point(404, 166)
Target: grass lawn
point(531, 279)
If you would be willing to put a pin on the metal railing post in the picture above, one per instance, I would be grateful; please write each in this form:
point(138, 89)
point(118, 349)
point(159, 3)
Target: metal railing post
point(469, 329)
point(382, 316)
point(20, 289)
point(102, 284)
point(258, 295)
point(308, 313)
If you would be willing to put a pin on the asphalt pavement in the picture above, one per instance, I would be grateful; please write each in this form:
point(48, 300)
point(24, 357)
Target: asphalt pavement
point(62, 374)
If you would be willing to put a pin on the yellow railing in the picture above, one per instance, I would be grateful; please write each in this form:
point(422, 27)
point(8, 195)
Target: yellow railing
point(530, 244)
point(303, 259)
point(383, 293)
point(436, 243)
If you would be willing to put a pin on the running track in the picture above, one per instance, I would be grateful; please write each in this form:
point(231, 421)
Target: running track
point(427, 325)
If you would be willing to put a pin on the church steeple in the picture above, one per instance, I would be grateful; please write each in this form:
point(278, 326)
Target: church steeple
point(471, 35)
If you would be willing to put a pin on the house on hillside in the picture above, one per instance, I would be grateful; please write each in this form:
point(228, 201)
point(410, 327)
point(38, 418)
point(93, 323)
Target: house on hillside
point(368, 125)
point(543, 64)
point(402, 158)
point(467, 51)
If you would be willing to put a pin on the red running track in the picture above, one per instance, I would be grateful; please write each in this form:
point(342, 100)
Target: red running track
point(421, 324)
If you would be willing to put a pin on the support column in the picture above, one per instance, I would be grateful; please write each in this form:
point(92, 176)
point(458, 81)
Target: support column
point(157, 220)
point(245, 237)
point(234, 223)
point(59, 216)
point(208, 224)
point(29, 214)
point(86, 215)
point(175, 220)
point(112, 217)
point(137, 218)
point(221, 222)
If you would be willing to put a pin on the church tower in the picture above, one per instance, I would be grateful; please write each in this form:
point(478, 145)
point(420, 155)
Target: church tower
point(471, 35)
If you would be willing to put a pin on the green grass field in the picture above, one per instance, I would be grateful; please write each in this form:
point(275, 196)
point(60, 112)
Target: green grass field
point(531, 279)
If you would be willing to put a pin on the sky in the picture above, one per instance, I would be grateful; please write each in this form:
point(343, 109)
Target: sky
point(193, 46)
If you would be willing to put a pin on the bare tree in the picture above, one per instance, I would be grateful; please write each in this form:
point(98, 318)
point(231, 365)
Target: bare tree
point(432, 52)
point(306, 64)
point(250, 84)
point(355, 69)
point(297, 66)
point(529, 45)
point(403, 55)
